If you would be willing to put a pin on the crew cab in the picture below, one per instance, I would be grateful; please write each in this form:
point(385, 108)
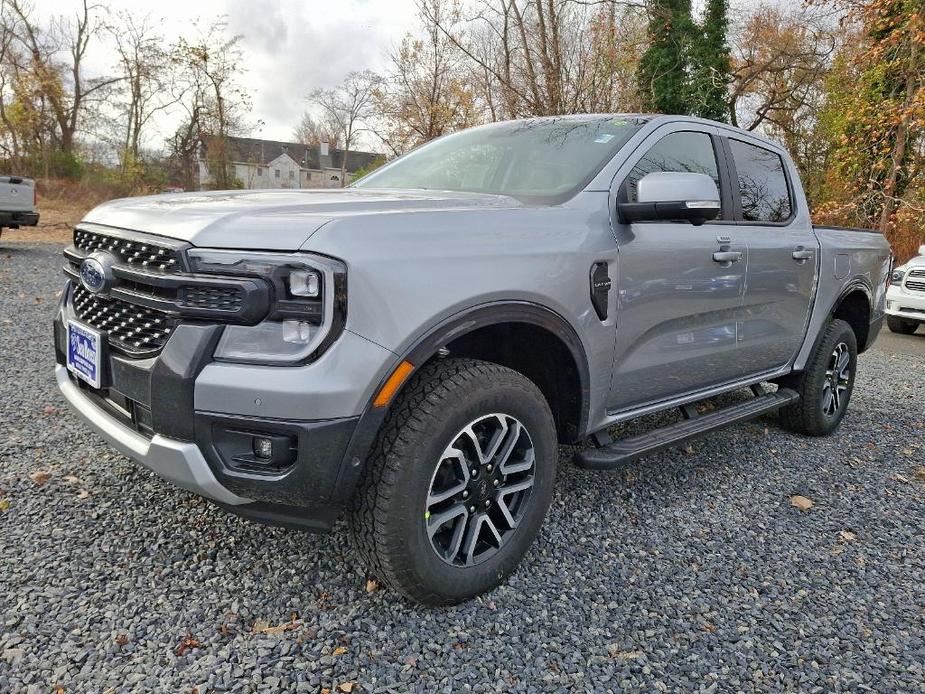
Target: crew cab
point(17, 203)
point(411, 350)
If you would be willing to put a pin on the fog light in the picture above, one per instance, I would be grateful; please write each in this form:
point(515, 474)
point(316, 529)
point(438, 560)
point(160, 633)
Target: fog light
point(263, 448)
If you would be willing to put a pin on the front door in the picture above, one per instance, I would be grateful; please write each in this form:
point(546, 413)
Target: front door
point(782, 256)
point(678, 308)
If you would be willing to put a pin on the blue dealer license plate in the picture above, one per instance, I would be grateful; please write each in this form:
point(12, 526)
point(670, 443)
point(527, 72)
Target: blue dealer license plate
point(84, 347)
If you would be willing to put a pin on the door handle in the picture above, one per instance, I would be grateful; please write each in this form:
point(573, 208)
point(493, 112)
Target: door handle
point(727, 256)
point(801, 254)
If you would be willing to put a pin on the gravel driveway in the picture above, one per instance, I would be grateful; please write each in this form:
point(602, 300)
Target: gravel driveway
point(692, 570)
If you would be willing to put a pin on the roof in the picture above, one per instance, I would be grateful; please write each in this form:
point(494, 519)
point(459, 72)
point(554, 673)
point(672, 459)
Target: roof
point(261, 152)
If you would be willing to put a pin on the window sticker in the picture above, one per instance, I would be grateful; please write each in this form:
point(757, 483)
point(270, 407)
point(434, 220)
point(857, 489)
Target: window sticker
point(603, 138)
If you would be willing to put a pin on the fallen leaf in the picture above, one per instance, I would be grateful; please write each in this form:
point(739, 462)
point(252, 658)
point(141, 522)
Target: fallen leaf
point(4, 504)
point(83, 494)
point(847, 536)
point(709, 628)
point(900, 478)
point(340, 650)
point(920, 472)
point(372, 585)
point(346, 686)
point(801, 502)
point(121, 639)
point(70, 479)
point(40, 477)
point(615, 652)
point(410, 660)
point(186, 644)
point(261, 626)
point(49, 409)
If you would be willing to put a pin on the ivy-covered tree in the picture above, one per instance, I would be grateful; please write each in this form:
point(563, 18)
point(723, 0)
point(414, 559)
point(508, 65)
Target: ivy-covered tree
point(664, 69)
point(710, 73)
point(875, 124)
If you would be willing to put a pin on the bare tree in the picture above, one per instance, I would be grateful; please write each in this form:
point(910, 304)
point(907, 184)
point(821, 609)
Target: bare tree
point(545, 57)
point(214, 101)
point(146, 71)
point(312, 132)
point(347, 108)
point(67, 94)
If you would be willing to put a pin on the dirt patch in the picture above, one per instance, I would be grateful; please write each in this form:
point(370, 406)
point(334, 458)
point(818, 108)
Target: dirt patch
point(56, 224)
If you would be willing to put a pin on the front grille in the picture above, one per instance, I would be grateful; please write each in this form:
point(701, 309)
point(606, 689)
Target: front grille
point(145, 254)
point(915, 281)
point(131, 328)
point(215, 298)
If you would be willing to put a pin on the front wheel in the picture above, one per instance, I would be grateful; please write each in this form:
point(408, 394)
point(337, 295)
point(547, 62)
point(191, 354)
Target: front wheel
point(459, 482)
point(901, 325)
point(825, 385)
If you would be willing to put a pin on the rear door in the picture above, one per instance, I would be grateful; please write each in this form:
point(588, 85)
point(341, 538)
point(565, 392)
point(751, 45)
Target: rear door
point(677, 307)
point(782, 254)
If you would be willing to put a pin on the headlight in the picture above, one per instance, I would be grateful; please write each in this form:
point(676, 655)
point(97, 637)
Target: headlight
point(307, 304)
point(897, 276)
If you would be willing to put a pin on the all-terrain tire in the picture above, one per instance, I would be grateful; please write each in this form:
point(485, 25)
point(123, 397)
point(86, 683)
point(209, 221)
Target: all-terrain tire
point(815, 414)
point(902, 325)
point(389, 511)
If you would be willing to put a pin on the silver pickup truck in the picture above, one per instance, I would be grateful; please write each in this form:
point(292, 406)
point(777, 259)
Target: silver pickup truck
point(17, 203)
point(412, 349)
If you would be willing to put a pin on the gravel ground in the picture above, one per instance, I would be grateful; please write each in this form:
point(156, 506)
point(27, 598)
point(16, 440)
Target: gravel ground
point(690, 571)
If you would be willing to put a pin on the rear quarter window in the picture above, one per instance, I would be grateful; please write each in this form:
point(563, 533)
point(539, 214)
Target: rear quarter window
point(762, 183)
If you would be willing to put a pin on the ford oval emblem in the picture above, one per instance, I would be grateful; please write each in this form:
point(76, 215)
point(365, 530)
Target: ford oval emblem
point(96, 273)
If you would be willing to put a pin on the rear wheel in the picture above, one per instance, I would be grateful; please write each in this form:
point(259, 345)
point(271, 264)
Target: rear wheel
point(459, 482)
point(825, 385)
point(902, 325)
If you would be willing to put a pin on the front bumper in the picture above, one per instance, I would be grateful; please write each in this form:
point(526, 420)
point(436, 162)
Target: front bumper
point(175, 461)
point(903, 303)
point(162, 412)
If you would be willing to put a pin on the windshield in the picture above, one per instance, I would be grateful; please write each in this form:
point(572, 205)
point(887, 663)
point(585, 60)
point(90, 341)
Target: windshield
point(544, 160)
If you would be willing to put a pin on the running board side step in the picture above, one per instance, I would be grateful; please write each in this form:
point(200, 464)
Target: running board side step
point(626, 450)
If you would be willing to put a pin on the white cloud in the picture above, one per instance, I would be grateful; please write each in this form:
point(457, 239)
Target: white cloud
point(290, 46)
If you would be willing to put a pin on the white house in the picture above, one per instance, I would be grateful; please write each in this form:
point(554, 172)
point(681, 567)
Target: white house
point(271, 164)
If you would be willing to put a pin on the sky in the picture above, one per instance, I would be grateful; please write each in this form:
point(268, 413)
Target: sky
point(290, 46)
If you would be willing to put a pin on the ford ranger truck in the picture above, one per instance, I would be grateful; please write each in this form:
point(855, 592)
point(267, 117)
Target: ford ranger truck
point(412, 349)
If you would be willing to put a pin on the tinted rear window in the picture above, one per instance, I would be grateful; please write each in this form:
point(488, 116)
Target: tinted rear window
point(762, 183)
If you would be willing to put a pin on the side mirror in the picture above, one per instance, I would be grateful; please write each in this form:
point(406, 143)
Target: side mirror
point(921, 250)
point(673, 197)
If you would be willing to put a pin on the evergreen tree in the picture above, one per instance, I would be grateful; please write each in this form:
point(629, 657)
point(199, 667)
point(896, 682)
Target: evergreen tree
point(710, 64)
point(664, 68)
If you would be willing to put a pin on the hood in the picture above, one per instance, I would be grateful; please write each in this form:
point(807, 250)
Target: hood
point(271, 219)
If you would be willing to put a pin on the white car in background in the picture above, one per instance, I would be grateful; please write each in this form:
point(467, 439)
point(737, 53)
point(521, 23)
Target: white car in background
point(905, 299)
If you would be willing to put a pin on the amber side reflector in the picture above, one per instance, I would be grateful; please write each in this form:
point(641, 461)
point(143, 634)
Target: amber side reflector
point(391, 386)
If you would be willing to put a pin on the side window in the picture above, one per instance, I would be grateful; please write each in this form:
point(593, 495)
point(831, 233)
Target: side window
point(762, 183)
point(677, 152)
